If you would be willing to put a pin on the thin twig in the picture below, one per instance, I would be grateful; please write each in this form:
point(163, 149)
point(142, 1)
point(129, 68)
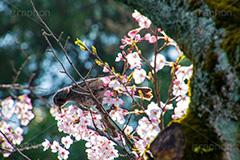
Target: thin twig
point(65, 71)
point(13, 67)
point(17, 87)
point(155, 77)
point(66, 44)
point(20, 152)
point(89, 72)
point(60, 36)
point(20, 70)
point(41, 98)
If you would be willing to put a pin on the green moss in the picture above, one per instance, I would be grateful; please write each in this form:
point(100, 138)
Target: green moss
point(211, 60)
point(226, 15)
point(201, 140)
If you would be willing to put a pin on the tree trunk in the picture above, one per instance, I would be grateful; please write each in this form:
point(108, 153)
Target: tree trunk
point(208, 32)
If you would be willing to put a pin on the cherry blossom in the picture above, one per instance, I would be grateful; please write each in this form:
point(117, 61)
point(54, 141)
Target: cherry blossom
point(133, 33)
point(108, 93)
point(152, 39)
point(139, 75)
point(67, 141)
point(107, 100)
point(63, 153)
point(147, 131)
point(10, 112)
point(143, 21)
point(184, 73)
point(105, 69)
point(179, 112)
point(141, 146)
point(55, 146)
point(46, 144)
point(100, 147)
point(134, 60)
point(160, 62)
point(128, 130)
point(180, 89)
point(117, 101)
point(23, 110)
point(183, 101)
point(118, 115)
point(136, 15)
point(120, 57)
point(147, 37)
point(7, 107)
point(167, 107)
point(106, 81)
point(153, 111)
point(114, 84)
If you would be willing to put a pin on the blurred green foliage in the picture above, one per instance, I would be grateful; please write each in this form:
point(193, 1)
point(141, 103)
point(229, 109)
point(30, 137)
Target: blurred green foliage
point(100, 23)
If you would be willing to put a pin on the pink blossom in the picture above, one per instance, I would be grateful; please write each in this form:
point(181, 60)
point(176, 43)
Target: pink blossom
point(179, 111)
point(143, 21)
point(114, 84)
point(63, 154)
point(117, 101)
point(119, 58)
point(106, 81)
point(128, 130)
point(167, 107)
point(105, 69)
point(55, 146)
point(160, 62)
point(183, 100)
point(107, 100)
point(132, 34)
point(184, 73)
point(141, 146)
point(67, 141)
point(108, 93)
point(139, 75)
point(134, 60)
point(136, 15)
point(147, 36)
point(152, 39)
point(181, 89)
point(46, 144)
point(118, 115)
point(153, 111)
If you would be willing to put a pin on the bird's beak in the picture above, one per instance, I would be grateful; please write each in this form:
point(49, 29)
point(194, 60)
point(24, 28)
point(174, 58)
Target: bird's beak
point(59, 109)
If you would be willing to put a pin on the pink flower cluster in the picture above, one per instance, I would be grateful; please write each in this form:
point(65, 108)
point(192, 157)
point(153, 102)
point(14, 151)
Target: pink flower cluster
point(23, 110)
point(180, 89)
point(11, 113)
point(133, 58)
point(74, 121)
point(57, 148)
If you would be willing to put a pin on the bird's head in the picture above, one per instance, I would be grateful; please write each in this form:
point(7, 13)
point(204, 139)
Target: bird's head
point(61, 97)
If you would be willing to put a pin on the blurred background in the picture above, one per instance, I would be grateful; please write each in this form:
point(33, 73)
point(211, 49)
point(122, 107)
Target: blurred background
point(97, 22)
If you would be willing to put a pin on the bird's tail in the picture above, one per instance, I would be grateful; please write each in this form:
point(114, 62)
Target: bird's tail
point(143, 92)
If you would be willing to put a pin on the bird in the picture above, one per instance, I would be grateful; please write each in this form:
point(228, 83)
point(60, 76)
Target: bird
point(82, 96)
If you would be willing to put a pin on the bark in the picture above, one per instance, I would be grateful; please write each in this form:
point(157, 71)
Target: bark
point(208, 32)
